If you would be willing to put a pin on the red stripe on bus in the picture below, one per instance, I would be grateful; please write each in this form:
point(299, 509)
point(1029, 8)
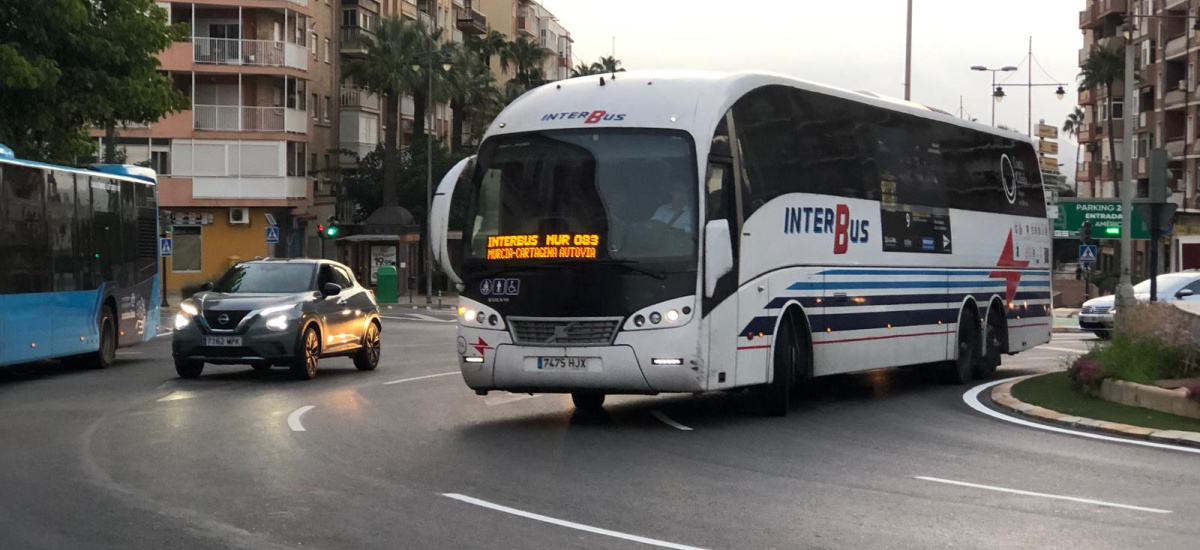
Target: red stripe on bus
point(883, 337)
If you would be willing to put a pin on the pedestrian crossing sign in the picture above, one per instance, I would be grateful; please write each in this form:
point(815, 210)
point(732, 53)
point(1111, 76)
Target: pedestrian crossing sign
point(1087, 253)
point(164, 247)
point(272, 234)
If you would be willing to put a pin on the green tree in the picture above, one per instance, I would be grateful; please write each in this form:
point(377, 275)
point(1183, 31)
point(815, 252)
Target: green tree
point(387, 69)
point(68, 64)
point(471, 92)
point(1103, 68)
point(362, 185)
point(583, 69)
point(526, 57)
point(608, 64)
point(1071, 127)
point(488, 46)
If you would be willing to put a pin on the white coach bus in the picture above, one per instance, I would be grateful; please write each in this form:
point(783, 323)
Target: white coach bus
point(682, 232)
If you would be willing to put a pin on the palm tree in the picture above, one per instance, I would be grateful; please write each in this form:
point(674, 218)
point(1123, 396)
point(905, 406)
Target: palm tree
point(583, 69)
point(527, 57)
point(470, 89)
point(387, 69)
point(609, 64)
point(1104, 67)
point(1071, 127)
point(488, 46)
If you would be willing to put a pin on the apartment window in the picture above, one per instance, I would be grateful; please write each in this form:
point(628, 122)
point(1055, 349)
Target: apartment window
point(1117, 108)
point(313, 46)
point(185, 258)
point(327, 50)
point(327, 160)
point(312, 163)
point(315, 104)
point(160, 162)
point(325, 112)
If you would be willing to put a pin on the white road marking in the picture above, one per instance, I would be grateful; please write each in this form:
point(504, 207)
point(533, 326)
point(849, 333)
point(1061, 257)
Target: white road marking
point(167, 333)
point(419, 378)
point(294, 418)
point(1068, 350)
point(971, 398)
point(177, 396)
point(1043, 495)
point(659, 415)
point(569, 524)
point(419, 317)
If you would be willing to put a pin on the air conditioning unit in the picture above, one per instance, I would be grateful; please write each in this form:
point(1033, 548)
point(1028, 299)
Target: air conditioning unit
point(239, 216)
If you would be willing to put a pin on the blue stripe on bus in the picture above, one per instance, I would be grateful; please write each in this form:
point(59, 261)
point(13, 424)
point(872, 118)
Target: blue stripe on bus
point(850, 285)
point(895, 299)
point(849, 320)
point(931, 272)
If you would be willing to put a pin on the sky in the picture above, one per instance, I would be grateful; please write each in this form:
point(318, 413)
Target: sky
point(857, 45)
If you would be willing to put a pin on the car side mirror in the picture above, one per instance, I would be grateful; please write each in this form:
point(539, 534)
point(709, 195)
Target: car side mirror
point(1184, 293)
point(206, 286)
point(718, 254)
point(331, 289)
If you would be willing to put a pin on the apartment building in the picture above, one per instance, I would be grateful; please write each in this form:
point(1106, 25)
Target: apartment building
point(1165, 106)
point(529, 19)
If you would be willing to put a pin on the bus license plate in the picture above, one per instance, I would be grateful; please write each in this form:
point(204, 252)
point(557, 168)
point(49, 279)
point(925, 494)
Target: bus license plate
point(223, 341)
point(563, 363)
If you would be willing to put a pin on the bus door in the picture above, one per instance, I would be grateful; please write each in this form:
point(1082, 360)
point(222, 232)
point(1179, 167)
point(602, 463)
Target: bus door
point(720, 307)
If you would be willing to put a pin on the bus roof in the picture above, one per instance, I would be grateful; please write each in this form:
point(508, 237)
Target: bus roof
point(139, 174)
point(685, 100)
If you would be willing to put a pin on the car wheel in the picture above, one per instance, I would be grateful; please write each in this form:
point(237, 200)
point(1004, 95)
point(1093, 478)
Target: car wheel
point(305, 365)
point(104, 356)
point(186, 368)
point(588, 401)
point(367, 357)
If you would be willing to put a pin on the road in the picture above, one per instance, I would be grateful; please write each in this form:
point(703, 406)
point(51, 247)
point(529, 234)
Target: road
point(408, 457)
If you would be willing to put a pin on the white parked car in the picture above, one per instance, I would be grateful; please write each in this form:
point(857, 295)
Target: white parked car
point(1097, 314)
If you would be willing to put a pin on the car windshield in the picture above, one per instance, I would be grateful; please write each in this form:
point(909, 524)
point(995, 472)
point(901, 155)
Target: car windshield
point(582, 195)
point(267, 278)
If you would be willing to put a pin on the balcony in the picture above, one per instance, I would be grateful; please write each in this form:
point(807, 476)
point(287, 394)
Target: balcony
point(1175, 98)
point(299, 2)
point(1086, 96)
point(1176, 46)
point(351, 96)
point(232, 118)
point(1118, 128)
point(254, 53)
point(353, 41)
point(1106, 171)
point(525, 26)
point(1176, 146)
point(1097, 10)
point(358, 148)
point(241, 187)
point(1086, 133)
point(471, 22)
point(1085, 172)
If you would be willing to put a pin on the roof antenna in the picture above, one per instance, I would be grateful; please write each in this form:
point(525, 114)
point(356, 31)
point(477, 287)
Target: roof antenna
point(602, 81)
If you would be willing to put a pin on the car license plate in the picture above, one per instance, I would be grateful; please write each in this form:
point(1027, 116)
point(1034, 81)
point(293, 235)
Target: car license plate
point(562, 363)
point(223, 341)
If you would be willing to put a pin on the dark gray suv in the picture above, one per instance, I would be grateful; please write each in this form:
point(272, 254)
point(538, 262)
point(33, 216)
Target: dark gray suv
point(269, 313)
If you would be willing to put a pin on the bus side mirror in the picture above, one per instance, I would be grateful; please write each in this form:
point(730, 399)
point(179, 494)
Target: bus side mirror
point(439, 217)
point(718, 254)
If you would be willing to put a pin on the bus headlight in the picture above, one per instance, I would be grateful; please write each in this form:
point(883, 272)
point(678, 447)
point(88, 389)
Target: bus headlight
point(469, 315)
point(181, 321)
point(672, 316)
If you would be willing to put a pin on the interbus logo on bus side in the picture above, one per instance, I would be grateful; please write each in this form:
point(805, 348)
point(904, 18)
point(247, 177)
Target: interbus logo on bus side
point(835, 221)
point(589, 117)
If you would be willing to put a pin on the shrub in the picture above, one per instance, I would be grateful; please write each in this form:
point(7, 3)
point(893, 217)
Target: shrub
point(1193, 392)
point(1087, 373)
point(1151, 342)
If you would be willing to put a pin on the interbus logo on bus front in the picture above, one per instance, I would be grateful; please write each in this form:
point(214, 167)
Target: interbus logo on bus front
point(835, 221)
point(589, 117)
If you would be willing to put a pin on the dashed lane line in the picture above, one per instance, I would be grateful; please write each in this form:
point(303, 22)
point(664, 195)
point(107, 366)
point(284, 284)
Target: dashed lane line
point(659, 415)
point(1043, 495)
point(1068, 350)
point(403, 380)
point(569, 524)
point(293, 419)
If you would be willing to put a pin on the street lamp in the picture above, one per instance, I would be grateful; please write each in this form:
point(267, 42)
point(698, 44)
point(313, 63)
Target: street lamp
point(998, 93)
point(430, 57)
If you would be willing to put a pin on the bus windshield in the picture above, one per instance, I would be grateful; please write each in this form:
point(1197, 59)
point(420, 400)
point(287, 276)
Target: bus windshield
point(583, 196)
point(267, 278)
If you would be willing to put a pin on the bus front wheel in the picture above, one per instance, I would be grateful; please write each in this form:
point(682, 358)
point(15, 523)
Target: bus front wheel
point(588, 401)
point(789, 358)
point(104, 356)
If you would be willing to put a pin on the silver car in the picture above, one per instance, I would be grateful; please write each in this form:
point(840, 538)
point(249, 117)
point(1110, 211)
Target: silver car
point(268, 313)
point(1097, 314)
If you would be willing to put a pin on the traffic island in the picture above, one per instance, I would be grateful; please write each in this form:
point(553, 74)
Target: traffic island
point(1053, 398)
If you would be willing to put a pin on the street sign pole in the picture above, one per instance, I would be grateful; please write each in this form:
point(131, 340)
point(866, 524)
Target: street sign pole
point(164, 276)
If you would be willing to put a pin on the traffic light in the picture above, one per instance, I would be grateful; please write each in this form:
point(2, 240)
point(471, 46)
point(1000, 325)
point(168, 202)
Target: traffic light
point(329, 230)
point(1085, 233)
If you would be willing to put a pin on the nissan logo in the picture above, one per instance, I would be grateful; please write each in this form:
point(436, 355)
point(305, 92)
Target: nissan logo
point(223, 319)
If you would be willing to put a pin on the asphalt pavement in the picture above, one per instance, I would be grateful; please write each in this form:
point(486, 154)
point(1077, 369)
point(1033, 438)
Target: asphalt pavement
point(408, 457)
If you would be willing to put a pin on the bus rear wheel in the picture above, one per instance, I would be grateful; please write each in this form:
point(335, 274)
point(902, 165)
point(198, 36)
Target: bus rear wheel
point(962, 369)
point(103, 357)
point(995, 345)
point(588, 401)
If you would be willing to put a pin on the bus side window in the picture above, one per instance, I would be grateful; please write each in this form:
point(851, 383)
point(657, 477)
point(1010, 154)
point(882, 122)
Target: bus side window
point(27, 252)
point(60, 213)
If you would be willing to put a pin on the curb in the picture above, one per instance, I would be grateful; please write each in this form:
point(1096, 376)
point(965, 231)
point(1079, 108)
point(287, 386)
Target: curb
point(1002, 396)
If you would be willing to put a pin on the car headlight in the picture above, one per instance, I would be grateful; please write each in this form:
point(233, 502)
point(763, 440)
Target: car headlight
point(279, 322)
point(181, 321)
point(189, 308)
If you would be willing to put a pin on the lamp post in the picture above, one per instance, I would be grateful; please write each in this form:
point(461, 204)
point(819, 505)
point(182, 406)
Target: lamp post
point(997, 92)
point(432, 58)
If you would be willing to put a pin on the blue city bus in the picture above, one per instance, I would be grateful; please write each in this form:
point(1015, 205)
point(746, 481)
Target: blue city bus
point(78, 260)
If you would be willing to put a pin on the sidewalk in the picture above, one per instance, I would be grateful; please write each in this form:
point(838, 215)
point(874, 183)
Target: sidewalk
point(1065, 320)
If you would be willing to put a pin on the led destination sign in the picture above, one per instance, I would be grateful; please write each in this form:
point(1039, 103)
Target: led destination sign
point(527, 247)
